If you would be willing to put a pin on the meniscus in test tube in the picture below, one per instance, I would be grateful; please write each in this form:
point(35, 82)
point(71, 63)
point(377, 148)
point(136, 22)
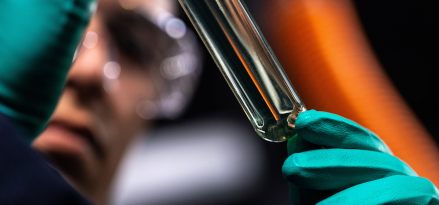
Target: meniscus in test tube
point(248, 65)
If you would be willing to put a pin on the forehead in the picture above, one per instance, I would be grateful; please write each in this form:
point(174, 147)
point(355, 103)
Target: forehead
point(108, 6)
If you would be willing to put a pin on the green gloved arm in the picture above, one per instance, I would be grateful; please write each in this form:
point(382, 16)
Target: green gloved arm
point(355, 167)
point(37, 41)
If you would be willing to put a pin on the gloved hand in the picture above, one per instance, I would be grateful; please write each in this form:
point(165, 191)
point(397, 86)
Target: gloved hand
point(354, 167)
point(37, 41)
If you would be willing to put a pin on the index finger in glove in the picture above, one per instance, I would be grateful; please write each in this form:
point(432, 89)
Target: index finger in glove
point(330, 130)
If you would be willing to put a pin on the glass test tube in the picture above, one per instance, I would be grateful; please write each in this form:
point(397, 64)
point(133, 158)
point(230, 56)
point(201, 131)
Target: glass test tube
point(248, 65)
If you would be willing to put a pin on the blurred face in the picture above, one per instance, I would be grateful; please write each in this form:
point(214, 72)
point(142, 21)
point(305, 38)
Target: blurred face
point(96, 116)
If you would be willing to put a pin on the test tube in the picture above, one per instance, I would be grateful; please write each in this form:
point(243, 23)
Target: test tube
point(248, 64)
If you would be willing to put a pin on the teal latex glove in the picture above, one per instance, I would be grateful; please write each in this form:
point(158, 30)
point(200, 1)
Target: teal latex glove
point(355, 167)
point(37, 41)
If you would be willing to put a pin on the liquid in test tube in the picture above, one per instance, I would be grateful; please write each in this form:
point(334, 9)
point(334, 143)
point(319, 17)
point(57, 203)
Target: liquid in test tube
point(248, 64)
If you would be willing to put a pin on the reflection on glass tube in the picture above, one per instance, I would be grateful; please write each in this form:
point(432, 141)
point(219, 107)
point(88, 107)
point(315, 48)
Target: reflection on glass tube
point(248, 65)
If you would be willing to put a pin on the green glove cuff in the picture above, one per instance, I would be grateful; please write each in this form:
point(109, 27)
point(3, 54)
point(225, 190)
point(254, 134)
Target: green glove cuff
point(37, 43)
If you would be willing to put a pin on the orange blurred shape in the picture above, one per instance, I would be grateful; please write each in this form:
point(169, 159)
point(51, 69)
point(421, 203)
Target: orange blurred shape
point(324, 52)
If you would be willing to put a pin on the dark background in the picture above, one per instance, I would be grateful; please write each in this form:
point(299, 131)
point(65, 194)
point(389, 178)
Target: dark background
point(404, 36)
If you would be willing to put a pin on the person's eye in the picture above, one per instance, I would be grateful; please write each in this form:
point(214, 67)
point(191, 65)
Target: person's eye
point(127, 45)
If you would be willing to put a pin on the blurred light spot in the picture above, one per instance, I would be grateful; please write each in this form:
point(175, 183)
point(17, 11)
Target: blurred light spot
point(91, 39)
point(171, 68)
point(112, 70)
point(173, 105)
point(189, 63)
point(175, 28)
point(147, 110)
point(178, 66)
point(163, 19)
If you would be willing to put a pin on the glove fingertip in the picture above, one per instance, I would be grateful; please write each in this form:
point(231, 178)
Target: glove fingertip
point(305, 117)
point(311, 118)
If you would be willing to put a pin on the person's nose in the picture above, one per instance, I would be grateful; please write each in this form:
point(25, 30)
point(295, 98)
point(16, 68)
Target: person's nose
point(86, 73)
